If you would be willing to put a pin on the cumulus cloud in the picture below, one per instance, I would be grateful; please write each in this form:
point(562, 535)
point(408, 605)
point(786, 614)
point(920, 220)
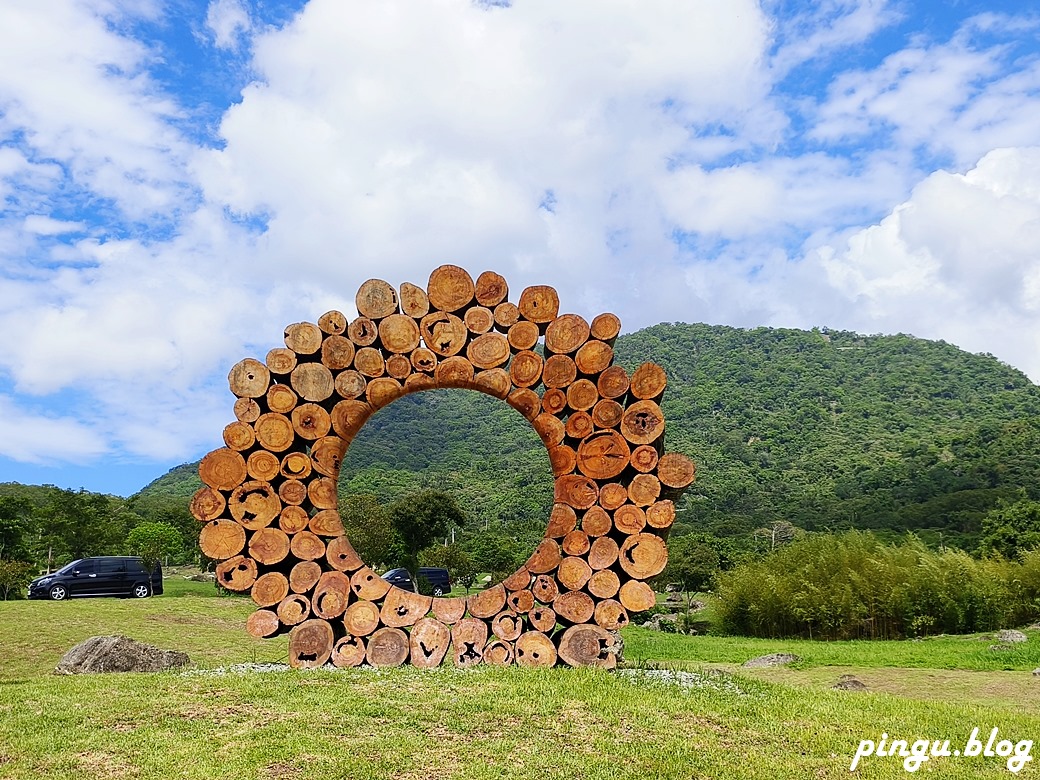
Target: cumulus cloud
point(827, 27)
point(368, 132)
point(957, 99)
point(956, 261)
point(78, 92)
point(47, 226)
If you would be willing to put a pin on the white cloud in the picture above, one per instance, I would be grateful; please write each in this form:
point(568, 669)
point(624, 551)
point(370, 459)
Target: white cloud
point(762, 198)
point(79, 93)
point(29, 437)
point(827, 27)
point(228, 21)
point(957, 261)
point(412, 134)
point(47, 226)
point(957, 99)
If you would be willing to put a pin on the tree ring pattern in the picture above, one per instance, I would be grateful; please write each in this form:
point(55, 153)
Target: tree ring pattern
point(269, 509)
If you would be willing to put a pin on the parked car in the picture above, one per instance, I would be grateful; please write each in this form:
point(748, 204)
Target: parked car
point(438, 579)
point(105, 575)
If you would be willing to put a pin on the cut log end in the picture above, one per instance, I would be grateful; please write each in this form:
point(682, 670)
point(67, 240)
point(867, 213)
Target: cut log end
point(249, 378)
point(376, 299)
point(349, 651)
point(263, 623)
point(237, 573)
point(310, 644)
point(676, 471)
point(491, 289)
point(429, 642)
point(535, 649)
point(450, 288)
point(388, 647)
point(539, 304)
point(588, 645)
point(468, 638)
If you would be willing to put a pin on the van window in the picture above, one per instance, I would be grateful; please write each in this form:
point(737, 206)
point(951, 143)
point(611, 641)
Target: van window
point(85, 566)
point(111, 565)
point(68, 568)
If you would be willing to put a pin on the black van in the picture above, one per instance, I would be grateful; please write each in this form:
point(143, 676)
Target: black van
point(440, 582)
point(106, 575)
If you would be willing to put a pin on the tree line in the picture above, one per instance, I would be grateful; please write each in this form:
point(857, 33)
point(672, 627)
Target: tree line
point(45, 527)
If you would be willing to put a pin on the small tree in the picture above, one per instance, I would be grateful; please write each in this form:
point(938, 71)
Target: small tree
point(368, 526)
point(152, 541)
point(692, 565)
point(14, 576)
point(421, 518)
point(497, 554)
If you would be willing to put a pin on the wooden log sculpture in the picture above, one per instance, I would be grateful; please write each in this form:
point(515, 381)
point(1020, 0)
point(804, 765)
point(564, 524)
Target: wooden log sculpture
point(269, 505)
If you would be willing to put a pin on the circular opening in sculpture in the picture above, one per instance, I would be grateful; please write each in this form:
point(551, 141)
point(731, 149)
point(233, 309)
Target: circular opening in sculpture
point(463, 445)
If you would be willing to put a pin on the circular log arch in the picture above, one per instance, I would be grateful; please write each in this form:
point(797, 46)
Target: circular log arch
point(269, 500)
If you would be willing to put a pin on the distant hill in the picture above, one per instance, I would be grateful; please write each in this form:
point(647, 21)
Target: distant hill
point(825, 429)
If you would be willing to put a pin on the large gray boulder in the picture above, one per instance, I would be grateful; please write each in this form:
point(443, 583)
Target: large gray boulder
point(118, 654)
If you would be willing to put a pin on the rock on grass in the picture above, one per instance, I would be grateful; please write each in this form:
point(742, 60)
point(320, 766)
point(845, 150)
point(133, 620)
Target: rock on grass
point(849, 683)
point(773, 659)
point(118, 654)
point(1011, 636)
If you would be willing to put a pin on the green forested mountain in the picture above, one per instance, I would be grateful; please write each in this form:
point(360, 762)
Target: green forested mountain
point(831, 429)
point(824, 429)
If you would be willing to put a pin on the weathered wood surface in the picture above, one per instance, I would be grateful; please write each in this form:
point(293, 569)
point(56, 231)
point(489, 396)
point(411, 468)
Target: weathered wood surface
point(268, 508)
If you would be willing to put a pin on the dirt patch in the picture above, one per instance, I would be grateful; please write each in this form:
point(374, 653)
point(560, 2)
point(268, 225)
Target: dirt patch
point(283, 770)
point(773, 659)
point(232, 715)
point(104, 766)
point(1011, 689)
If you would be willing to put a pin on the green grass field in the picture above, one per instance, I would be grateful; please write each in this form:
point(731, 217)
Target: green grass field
point(720, 722)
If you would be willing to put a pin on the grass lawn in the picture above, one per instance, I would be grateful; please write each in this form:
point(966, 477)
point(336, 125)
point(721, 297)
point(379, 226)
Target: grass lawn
point(489, 723)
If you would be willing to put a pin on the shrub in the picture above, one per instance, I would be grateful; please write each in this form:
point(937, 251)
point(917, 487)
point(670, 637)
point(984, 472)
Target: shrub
point(14, 578)
point(851, 585)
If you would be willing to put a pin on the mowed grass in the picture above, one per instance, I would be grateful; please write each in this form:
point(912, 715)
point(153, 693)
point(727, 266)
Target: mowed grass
point(940, 652)
point(483, 723)
point(189, 616)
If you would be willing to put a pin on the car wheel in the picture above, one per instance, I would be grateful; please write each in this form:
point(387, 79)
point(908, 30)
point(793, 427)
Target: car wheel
point(141, 591)
point(438, 590)
point(58, 593)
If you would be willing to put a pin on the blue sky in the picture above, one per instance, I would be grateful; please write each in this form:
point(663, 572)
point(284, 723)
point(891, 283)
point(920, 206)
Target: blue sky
point(181, 180)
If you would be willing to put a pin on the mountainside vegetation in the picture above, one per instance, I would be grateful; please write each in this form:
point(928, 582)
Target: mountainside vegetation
point(792, 430)
point(834, 430)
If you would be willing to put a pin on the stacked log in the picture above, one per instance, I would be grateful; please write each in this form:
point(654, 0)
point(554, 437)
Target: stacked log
point(268, 508)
